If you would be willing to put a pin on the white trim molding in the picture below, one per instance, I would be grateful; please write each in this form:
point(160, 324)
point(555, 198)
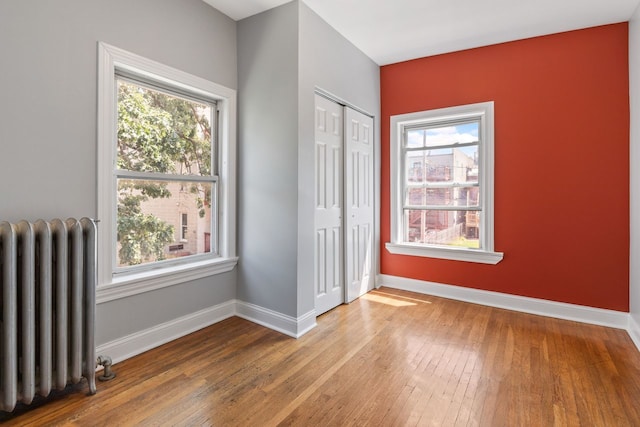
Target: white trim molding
point(139, 342)
point(454, 254)
point(559, 310)
point(150, 280)
point(400, 125)
point(112, 60)
point(634, 331)
point(291, 326)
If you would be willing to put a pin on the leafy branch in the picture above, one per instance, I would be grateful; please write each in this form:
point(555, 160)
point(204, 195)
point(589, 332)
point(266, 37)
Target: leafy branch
point(163, 134)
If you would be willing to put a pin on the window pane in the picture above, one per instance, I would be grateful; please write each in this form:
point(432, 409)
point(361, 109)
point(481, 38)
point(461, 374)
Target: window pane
point(458, 165)
point(416, 166)
point(415, 138)
point(455, 196)
point(159, 220)
point(461, 133)
point(158, 132)
point(451, 228)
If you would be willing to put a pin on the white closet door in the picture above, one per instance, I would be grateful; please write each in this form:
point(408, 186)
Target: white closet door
point(329, 278)
point(359, 203)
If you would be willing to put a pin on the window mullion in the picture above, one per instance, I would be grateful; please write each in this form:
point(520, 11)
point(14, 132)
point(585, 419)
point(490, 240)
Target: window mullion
point(442, 185)
point(440, 147)
point(141, 80)
point(442, 208)
point(156, 176)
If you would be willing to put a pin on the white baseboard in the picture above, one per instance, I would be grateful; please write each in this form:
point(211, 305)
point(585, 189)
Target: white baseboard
point(277, 321)
point(578, 313)
point(634, 331)
point(139, 342)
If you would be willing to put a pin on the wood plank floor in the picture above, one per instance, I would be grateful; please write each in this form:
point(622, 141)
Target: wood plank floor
point(392, 358)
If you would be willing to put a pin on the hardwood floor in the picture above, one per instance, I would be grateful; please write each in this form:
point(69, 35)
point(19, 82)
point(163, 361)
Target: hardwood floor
point(392, 358)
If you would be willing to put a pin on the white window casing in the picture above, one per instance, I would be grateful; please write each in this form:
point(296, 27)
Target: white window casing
point(484, 114)
point(184, 227)
point(113, 61)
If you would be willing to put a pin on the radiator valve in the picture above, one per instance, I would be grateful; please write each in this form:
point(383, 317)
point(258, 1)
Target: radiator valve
point(107, 374)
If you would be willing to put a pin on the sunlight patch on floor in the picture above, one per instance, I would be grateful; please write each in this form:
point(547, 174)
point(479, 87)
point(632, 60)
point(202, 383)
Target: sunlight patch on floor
point(395, 302)
point(401, 297)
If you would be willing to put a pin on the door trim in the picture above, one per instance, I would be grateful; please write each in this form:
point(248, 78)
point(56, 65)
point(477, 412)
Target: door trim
point(331, 97)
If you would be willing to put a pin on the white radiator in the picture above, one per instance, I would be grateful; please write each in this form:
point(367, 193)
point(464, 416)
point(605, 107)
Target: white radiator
point(47, 311)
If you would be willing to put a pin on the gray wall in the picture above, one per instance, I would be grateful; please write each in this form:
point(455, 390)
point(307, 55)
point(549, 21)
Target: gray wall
point(48, 83)
point(330, 62)
point(283, 55)
point(48, 129)
point(634, 97)
point(267, 158)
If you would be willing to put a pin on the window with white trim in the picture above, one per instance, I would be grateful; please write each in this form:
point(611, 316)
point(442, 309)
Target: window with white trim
point(442, 184)
point(166, 153)
point(165, 164)
point(184, 227)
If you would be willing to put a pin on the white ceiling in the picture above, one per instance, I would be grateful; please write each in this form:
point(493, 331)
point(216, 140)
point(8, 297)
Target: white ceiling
point(390, 31)
point(240, 9)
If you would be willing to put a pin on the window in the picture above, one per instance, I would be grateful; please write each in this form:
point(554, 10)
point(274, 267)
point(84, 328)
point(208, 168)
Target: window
point(166, 155)
point(165, 163)
point(184, 226)
point(442, 184)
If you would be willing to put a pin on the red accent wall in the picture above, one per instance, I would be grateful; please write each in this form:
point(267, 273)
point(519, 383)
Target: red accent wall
point(561, 155)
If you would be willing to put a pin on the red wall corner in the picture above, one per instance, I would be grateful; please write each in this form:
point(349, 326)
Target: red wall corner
point(561, 162)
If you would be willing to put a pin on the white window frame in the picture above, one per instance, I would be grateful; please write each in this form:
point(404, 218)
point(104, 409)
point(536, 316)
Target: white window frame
point(113, 60)
point(184, 227)
point(484, 113)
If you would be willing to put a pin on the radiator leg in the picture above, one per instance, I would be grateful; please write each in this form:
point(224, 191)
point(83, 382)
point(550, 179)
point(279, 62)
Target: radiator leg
point(107, 374)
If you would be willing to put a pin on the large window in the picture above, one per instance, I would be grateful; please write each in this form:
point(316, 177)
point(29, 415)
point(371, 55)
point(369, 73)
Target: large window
point(442, 184)
point(165, 164)
point(166, 156)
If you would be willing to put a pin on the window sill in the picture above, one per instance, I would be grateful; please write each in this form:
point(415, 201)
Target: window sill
point(454, 254)
point(133, 284)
